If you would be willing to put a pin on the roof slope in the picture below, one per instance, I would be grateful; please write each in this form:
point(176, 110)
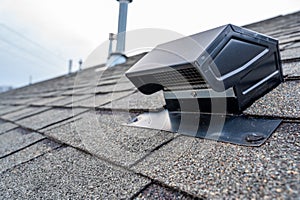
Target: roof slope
point(64, 138)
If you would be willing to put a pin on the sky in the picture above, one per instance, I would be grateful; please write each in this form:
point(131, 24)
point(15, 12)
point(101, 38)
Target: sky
point(38, 37)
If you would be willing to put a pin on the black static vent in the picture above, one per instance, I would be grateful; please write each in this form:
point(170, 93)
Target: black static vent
point(238, 66)
point(231, 57)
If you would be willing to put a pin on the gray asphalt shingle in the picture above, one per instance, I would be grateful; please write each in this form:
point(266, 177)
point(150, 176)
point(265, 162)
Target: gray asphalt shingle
point(290, 54)
point(283, 101)
point(9, 109)
point(28, 111)
point(100, 99)
point(49, 117)
point(29, 153)
point(215, 170)
point(18, 101)
point(69, 100)
point(291, 69)
point(6, 126)
point(69, 174)
point(155, 191)
point(116, 86)
point(105, 136)
point(46, 101)
point(138, 101)
point(17, 139)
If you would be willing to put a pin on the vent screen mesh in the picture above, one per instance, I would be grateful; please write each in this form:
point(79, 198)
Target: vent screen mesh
point(184, 78)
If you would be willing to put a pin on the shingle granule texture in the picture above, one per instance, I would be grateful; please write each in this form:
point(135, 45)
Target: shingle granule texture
point(68, 174)
point(214, 170)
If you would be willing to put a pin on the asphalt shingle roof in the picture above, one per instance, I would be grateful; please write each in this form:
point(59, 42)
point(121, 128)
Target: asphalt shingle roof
point(65, 138)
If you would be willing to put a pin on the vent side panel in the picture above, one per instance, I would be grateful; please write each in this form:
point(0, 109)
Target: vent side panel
point(234, 55)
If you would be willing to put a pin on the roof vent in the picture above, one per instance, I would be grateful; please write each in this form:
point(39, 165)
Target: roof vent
point(208, 79)
point(118, 57)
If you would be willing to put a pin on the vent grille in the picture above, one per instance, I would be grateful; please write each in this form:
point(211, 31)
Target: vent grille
point(178, 79)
